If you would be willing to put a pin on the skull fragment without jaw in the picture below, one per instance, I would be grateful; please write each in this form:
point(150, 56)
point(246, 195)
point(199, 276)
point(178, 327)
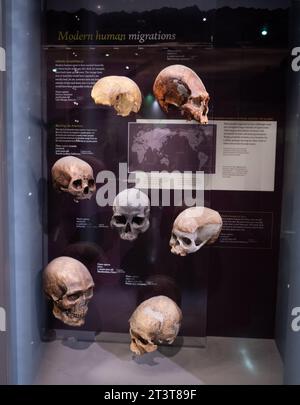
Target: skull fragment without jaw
point(75, 177)
point(131, 211)
point(194, 228)
point(155, 321)
point(68, 283)
point(181, 87)
point(119, 92)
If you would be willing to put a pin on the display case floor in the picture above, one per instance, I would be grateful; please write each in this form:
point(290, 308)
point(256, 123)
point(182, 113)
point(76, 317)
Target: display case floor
point(222, 361)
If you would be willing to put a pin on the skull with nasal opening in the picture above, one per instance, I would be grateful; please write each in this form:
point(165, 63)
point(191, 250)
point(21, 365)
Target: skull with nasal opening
point(155, 321)
point(194, 228)
point(75, 177)
point(69, 285)
point(180, 86)
point(131, 211)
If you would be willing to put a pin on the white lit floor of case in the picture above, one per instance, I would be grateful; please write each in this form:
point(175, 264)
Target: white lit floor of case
point(222, 361)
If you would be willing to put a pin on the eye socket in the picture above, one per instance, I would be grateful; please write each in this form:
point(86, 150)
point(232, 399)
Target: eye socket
point(143, 341)
point(186, 241)
point(91, 183)
point(77, 183)
point(120, 219)
point(89, 292)
point(138, 220)
point(73, 297)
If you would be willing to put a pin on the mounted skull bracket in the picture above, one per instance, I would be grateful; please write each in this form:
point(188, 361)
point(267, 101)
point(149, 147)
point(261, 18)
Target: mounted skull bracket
point(180, 86)
point(155, 321)
point(194, 228)
point(131, 211)
point(119, 92)
point(75, 177)
point(69, 285)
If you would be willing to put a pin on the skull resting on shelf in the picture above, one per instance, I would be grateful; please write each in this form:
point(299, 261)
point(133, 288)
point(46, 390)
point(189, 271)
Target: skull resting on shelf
point(74, 176)
point(68, 283)
point(131, 211)
point(180, 86)
point(194, 228)
point(155, 321)
point(119, 92)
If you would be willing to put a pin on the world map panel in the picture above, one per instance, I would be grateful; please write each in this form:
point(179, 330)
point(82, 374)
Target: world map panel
point(169, 147)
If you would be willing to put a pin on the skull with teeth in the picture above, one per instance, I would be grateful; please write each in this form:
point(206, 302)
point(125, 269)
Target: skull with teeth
point(194, 228)
point(68, 283)
point(119, 92)
point(74, 176)
point(180, 86)
point(131, 211)
point(156, 320)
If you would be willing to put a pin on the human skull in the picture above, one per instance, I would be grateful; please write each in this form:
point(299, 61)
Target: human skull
point(180, 86)
point(68, 283)
point(194, 228)
point(131, 211)
point(156, 320)
point(119, 92)
point(74, 176)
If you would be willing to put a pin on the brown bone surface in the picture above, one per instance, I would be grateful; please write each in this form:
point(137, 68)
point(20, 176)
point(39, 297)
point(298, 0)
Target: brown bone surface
point(180, 86)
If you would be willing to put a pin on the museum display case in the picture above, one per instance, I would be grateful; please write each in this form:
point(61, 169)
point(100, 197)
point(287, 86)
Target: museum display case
point(149, 167)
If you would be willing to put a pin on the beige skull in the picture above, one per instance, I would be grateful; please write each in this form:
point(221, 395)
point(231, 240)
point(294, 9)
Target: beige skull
point(180, 86)
point(156, 320)
point(74, 176)
point(194, 228)
point(68, 283)
point(119, 92)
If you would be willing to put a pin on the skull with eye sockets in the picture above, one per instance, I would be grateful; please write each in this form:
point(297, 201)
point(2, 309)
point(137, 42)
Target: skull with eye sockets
point(194, 228)
point(68, 283)
point(131, 211)
point(155, 321)
point(180, 86)
point(75, 177)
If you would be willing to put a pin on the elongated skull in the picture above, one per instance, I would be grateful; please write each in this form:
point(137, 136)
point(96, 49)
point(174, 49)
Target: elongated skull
point(119, 92)
point(194, 228)
point(74, 176)
point(180, 86)
point(68, 283)
point(131, 211)
point(155, 321)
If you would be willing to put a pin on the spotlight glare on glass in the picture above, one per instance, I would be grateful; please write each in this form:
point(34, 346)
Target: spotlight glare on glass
point(204, 19)
point(127, 67)
point(107, 54)
point(155, 106)
point(264, 32)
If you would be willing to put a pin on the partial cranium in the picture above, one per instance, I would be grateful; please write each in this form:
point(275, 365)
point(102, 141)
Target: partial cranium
point(74, 176)
point(68, 283)
point(131, 211)
point(194, 228)
point(119, 92)
point(180, 86)
point(155, 321)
